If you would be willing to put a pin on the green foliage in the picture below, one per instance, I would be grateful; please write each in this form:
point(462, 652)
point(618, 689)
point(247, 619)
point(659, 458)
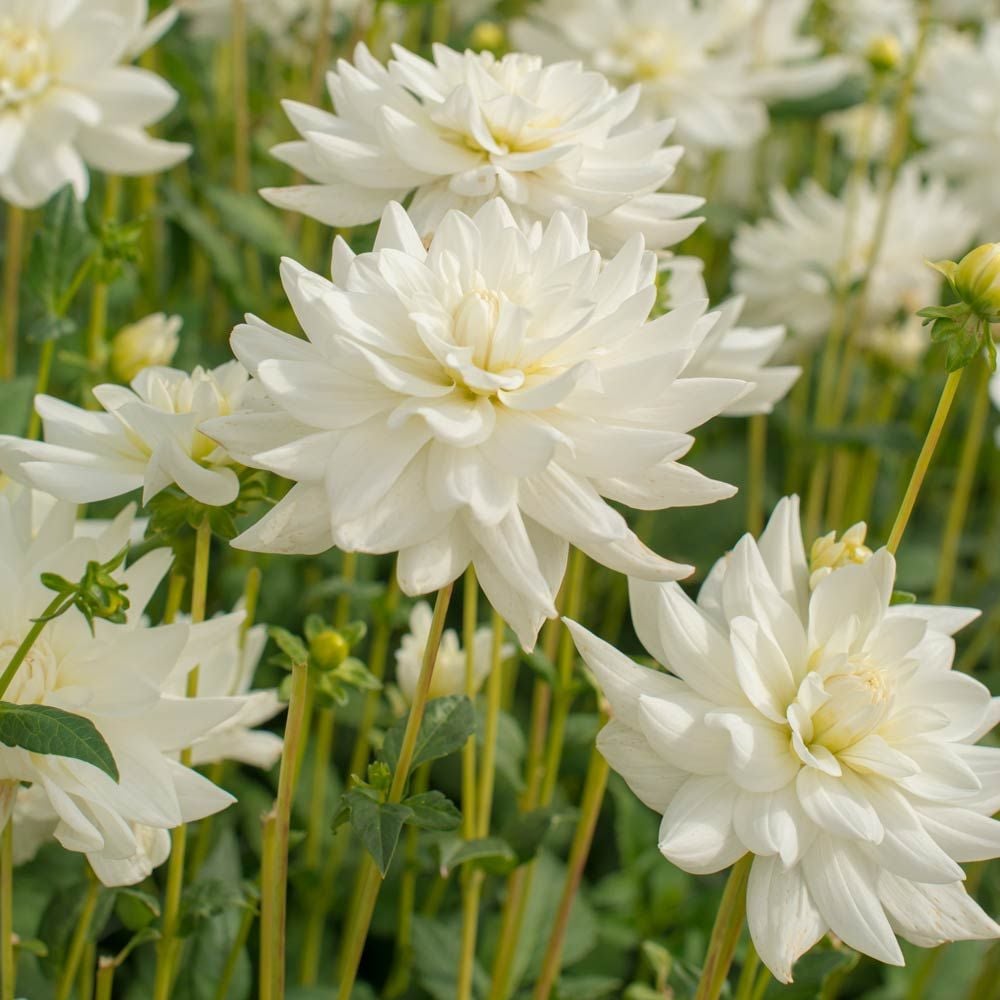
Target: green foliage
point(47, 730)
point(447, 723)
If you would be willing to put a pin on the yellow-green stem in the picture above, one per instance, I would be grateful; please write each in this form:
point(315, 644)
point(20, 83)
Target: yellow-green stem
point(169, 947)
point(45, 357)
point(105, 980)
point(9, 308)
point(372, 880)
point(70, 968)
point(748, 974)
point(97, 330)
point(593, 795)
point(273, 896)
point(471, 880)
point(494, 693)
point(924, 460)
point(757, 473)
point(8, 958)
point(726, 932)
point(972, 441)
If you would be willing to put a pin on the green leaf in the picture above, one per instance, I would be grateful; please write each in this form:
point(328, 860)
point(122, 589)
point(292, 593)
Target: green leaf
point(588, 988)
point(902, 597)
point(291, 645)
point(526, 832)
point(47, 730)
point(378, 824)
point(491, 853)
point(850, 92)
point(540, 664)
point(447, 723)
point(15, 404)
point(433, 811)
point(136, 909)
point(252, 219)
point(812, 972)
point(207, 234)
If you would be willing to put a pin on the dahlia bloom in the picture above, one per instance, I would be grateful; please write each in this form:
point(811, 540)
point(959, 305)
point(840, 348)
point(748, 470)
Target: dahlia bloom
point(474, 402)
point(117, 678)
point(69, 100)
point(713, 67)
point(821, 730)
point(449, 667)
point(467, 127)
point(731, 351)
point(147, 437)
point(956, 112)
point(790, 266)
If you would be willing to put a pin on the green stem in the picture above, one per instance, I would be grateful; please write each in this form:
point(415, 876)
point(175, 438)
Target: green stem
point(8, 958)
point(54, 610)
point(241, 100)
point(471, 882)
point(924, 460)
point(593, 795)
point(274, 898)
point(41, 386)
point(372, 880)
point(494, 693)
point(232, 959)
point(98, 328)
point(169, 946)
point(972, 441)
point(726, 932)
point(13, 261)
point(67, 974)
point(105, 979)
point(748, 974)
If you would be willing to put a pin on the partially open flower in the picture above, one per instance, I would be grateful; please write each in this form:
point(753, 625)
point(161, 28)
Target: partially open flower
point(822, 731)
point(976, 280)
point(150, 341)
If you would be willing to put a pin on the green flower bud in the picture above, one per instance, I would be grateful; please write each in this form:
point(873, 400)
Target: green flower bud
point(487, 35)
point(328, 649)
point(884, 54)
point(976, 280)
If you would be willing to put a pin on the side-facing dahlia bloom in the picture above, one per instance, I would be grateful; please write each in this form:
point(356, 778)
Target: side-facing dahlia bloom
point(956, 112)
point(475, 402)
point(449, 667)
point(117, 677)
point(69, 99)
point(821, 730)
point(147, 437)
point(731, 351)
point(791, 266)
point(469, 127)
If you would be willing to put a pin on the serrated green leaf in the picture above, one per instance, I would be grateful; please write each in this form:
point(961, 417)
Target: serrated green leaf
point(47, 730)
point(291, 645)
point(378, 825)
point(491, 853)
point(447, 723)
point(433, 811)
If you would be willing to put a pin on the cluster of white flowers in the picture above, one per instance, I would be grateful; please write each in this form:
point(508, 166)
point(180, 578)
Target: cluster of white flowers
point(69, 100)
point(127, 680)
point(822, 731)
point(713, 67)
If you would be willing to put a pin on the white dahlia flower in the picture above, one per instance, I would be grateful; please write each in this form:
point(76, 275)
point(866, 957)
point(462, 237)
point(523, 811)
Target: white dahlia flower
point(69, 100)
point(822, 731)
point(713, 67)
point(147, 437)
point(467, 127)
point(474, 402)
point(117, 677)
point(449, 668)
point(790, 267)
point(956, 112)
point(731, 351)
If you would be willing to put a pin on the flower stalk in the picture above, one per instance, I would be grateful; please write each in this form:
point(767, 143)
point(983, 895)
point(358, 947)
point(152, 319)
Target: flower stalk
point(372, 881)
point(8, 957)
point(68, 973)
point(726, 932)
point(13, 262)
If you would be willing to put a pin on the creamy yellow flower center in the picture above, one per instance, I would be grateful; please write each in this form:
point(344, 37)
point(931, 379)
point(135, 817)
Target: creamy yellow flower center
point(858, 703)
point(653, 54)
point(475, 324)
point(829, 553)
point(25, 63)
point(37, 675)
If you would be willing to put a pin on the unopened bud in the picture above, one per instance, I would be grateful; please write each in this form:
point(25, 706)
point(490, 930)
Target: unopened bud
point(976, 280)
point(884, 53)
point(328, 649)
point(487, 35)
point(150, 341)
point(828, 553)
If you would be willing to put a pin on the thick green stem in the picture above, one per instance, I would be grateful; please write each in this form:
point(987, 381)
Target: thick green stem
point(70, 968)
point(593, 795)
point(372, 881)
point(757, 477)
point(8, 957)
point(726, 932)
point(972, 441)
point(471, 882)
point(105, 979)
point(274, 900)
point(924, 460)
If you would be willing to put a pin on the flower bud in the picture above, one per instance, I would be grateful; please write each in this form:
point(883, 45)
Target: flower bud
point(884, 53)
point(487, 35)
point(150, 341)
point(328, 649)
point(977, 281)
